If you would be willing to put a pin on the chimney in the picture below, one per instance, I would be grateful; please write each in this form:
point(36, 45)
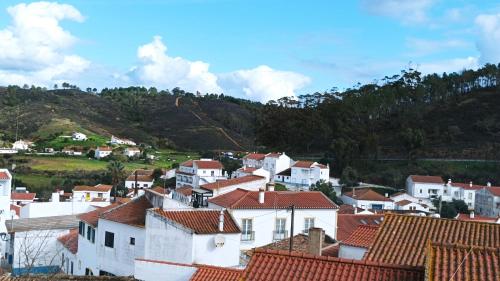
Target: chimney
point(55, 197)
point(221, 220)
point(270, 186)
point(355, 209)
point(449, 182)
point(261, 196)
point(471, 215)
point(488, 184)
point(316, 238)
point(470, 184)
point(387, 195)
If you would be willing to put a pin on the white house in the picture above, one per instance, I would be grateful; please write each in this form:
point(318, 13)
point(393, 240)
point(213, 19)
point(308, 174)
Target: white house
point(22, 198)
point(132, 152)
point(117, 141)
point(143, 181)
point(253, 160)
point(102, 152)
point(304, 174)
point(85, 193)
point(198, 172)
point(427, 187)
point(247, 182)
point(406, 202)
point(356, 245)
point(467, 193)
point(488, 201)
point(5, 195)
point(276, 163)
point(202, 236)
point(57, 208)
point(22, 145)
point(265, 216)
point(366, 198)
point(76, 136)
point(68, 247)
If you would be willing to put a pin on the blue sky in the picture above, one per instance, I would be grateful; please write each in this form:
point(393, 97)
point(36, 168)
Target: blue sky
point(259, 50)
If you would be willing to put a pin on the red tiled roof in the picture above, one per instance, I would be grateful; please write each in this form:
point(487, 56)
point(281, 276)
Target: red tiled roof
point(212, 273)
point(16, 208)
point(467, 186)
point(200, 221)
point(347, 223)
point(495, 190)
point(403, 202)
point(348, 209)
point(185, 190)
point(230, 182)
point(427, 179)
point(331, 250)
point(211, 164)
point(146, 178)
point(245, 199)
point(300, 244)
point(160, 190)
point(303, 164)
point(22, 196)
point(462, 263)
point(92, 217)
point(132, 213)
point(363, 236)
point(247, 169)
point(466, 217)
point(367, 194)
point(271, 265)
point(273, 155)
point(403, 239)
point(105, 148)
point(4, 176)
point(70, 241)
point(255, 156)
point(97, 188)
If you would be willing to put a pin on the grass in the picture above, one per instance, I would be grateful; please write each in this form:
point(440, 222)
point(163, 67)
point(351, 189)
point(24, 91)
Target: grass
point(35, 183)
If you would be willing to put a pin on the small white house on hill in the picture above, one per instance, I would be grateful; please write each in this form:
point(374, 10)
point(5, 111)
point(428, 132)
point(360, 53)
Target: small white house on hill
point(366, 198)
point(98, 193)
point(102, 152)
point(427, 187)
point(76, 136)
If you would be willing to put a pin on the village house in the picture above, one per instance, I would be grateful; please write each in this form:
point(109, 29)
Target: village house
point(303, 174)
point(85, 193)
point(143, 181)
point(253, 160)
point(247, 182)
point(5, 195)
point(276, 162)
point(76, 136)
point(22, 198)
point(488, 201)
point(426, 187)
point(264, 216)
point(102, 152)
point(22, 145)
point(367, 198)
point(467, 193)
point(132, 152)
point(198, 172)
point(68, 247)
point(118, 141)
point(356, 245)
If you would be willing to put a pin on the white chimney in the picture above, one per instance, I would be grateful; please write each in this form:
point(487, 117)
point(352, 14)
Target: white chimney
point(449, 182)
point(489, 184)
point(55, 197)
point(470, 184)
point(270, 186)
point(221, 220)
point(261, 196)
point(387, 195)
point(355, 209)
point(471, 215)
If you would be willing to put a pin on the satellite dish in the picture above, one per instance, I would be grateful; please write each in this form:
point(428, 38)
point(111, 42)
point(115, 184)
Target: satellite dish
point(219, 240)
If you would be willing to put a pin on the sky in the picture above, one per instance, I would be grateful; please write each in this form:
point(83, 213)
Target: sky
point(258, 50)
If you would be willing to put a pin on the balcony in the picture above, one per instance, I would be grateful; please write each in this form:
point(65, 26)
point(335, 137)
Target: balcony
point(280, 235)
point(249, 236)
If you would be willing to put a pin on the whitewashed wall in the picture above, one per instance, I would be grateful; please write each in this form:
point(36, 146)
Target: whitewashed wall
point(148, 270)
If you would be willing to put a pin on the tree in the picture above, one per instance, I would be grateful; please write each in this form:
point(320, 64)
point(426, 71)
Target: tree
point(327, 189)
point(413, 139)
point(349, 177)
point(116, 170)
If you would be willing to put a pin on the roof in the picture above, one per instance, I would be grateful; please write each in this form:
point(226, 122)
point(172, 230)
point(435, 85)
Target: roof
point(460, 263)
point(70, 241)
point(200, 221)
point(230, 182)
point(160, 190)
point(208, 164)
point(273, 155)
point(363, 236)
point(132, 213)
point(147, 178)
point(64, 277)
point(97, 188)
point(255, 156)
point(267, 265)
point(397, 243)
point(105, 148)
point(300, 244)
point(92, 217)
point(42, 223)
point(466, 217)
point(22, 196)
point(495, 190)
point(348, 223)
point(427, 179)
point(367, 194)
point(4, 176)
point(287, 172)
point(188, 163)
point(404, 202)
point(245, 199)
point(247, 169)
point(212, 273)
point(348, 209)
point(303, 164)
point(15, 208)
point(185, 190)
point(467, 186)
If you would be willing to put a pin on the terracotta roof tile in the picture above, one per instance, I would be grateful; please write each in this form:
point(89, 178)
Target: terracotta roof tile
point(185, 190)
point(270, 265)
point(15, 208)
point(403, 239)
point(105, 148)
point(363, 236)
point(22, 196)
point(273, 155)
point(367, 194)
point(331, 250)
point(132, 213)
point(247, 170)
point(467, 186)
point(4, 176)
point(427, 179)
point(200, 221)
point(255, 156)
point(403, 202)
point(462, 263)
point(245, 199)
point(466, 217)
point(300, 244)
point(348, 209)
point(212, 273)
point(303, 164)
point(495, 190)
point(92, 217)
point(160, 190)
point(147, 178)
point(212, 164)
point(188, 163)
point(287, 172)
point(347, 223)
point(70, 241)
point(230, 182)
point(97, 188)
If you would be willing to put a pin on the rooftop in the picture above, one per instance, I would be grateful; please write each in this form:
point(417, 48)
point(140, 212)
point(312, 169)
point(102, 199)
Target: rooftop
point(300, 244)
point(427, 179)
point(43, 223)
point(495, 190)
point(245, 199)
point(4, 176)
point(467, 186)
point(70, 241)
point(208, 164)
point(286, 173)
point(212, 273)
point(105, 148)
point(185, 190)
point(14, 196)
point(132, 213)
point(255, 156)
point(230, 182)
point(362, 236)
point(397, 243)
point(97, 188)
point(466, 217)
point(267, 265)
point(348, 223)
point(64, 277)
point(303, 164)
point(147, 178)
point(367, 194)
point(200, 221)
point(92, 217)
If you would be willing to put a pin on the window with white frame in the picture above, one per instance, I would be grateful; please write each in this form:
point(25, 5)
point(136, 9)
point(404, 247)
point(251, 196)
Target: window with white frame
point(279, 231)
point(308, 223)
point(247, 229)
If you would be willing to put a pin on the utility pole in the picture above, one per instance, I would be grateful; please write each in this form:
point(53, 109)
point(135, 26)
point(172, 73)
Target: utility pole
point(135, 185)
point(291, 227)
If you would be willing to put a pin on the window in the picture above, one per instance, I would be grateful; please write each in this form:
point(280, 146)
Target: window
point(89, 233)
point(109, 239)
point(88, 272)
point(470, 195)
point(308, 223)
point(246, 230)
point(99, 194)
point(132, 241)
point(92, 238)
point(420, 191)
point(212, 173)
point(71, 268)
point(81, 228)
point(279, 231)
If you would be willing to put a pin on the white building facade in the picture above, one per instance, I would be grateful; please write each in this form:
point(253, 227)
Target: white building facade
point(198, 172)
point(488, 201)
point(426, 187)
point(102, 152)
point(304, 174)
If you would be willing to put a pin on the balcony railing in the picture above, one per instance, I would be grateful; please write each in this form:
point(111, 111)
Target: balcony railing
point(249, 236)
point(280, 235)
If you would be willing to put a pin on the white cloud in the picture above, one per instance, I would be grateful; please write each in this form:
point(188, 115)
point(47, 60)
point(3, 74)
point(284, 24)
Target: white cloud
point(33, 47)
point(163, 71)
point(488, 42)
point(448, 66)
point(263, 83)
point(407, 11)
